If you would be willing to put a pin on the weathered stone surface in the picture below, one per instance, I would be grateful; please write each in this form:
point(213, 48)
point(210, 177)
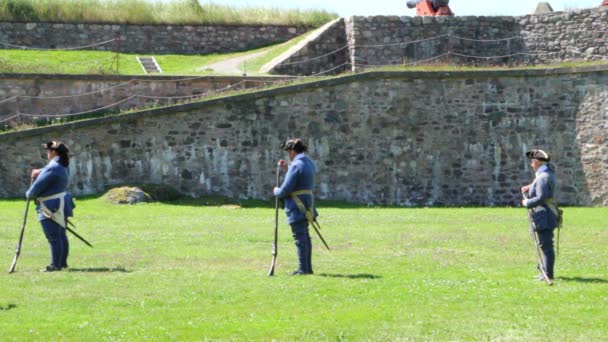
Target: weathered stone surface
point(525, 40)
point(59, 94)
point(148, 39)
point(330, 51)
point(445, 138)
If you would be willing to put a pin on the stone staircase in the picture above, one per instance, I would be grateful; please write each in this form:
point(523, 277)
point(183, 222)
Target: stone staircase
point(149, 65)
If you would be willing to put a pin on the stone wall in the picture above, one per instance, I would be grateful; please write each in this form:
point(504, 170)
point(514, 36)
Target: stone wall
point(406, 138)
point(384, 40)
point(158, 39)
point(563, 36)
point(67, 94)
point(330, 48)
point(580, 35)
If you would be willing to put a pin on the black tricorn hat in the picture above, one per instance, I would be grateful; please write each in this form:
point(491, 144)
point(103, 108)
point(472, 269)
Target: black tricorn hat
point(294, 144)
point(58, 146)
point(538, 155)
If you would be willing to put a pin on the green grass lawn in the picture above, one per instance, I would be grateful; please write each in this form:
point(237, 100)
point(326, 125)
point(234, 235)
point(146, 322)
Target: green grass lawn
point(255, 64)
point(191, 271)
point(101, 62)
point(454, 67)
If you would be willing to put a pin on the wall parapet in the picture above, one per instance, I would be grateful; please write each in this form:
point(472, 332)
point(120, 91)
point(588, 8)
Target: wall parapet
point(157, 39)
point(34, 97)
point(525, 40)
point(404, 138)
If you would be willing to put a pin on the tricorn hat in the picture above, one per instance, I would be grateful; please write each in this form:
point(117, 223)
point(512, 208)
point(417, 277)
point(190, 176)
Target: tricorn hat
point(538, 155)
point(58, 146)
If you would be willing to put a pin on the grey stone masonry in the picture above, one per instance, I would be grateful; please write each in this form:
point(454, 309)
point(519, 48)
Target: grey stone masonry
point(395, 40)
point(159, 39)
point(70, 94)
point(329, 48)
point(580, 35)
point(405, 138)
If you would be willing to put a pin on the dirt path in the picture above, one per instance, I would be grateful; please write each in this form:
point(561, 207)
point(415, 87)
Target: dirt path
point(231, 66)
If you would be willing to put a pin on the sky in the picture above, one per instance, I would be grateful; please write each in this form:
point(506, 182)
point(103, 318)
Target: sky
point(398, 7)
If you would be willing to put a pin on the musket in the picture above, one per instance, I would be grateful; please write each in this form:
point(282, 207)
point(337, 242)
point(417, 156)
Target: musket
point(18, 249)
point(49, 215)
point(76, 234)
point(541, 263)
point(317, 227)
point(275, 249)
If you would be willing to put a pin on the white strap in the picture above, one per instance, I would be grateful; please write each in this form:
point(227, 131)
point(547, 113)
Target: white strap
point(52, 197)
point(58, 216)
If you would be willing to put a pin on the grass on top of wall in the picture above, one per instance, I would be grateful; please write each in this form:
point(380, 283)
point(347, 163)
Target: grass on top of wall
point(104, 62)
point(154, 12)
point(195, 270)
point(254, 65)
point(456, 67)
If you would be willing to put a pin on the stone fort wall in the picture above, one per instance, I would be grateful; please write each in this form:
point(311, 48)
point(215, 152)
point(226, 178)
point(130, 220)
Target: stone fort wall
point(148, 39)
point(68, 94)
point(580, 35)
point(405, 138)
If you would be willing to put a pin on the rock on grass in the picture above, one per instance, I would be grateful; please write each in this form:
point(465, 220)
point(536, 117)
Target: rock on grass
point(127, 195)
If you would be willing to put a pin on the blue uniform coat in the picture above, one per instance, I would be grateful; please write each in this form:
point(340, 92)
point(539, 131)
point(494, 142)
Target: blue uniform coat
point(542, 189)
point(53, 179)
point(300, 176)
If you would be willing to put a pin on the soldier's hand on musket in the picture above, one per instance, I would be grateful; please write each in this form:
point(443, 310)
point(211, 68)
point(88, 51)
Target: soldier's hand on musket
point(35, 173)
point(283, 165)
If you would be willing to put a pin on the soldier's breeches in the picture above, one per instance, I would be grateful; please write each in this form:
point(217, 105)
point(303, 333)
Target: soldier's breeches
point(303, 243)
point(58, 242)
point(545, 240)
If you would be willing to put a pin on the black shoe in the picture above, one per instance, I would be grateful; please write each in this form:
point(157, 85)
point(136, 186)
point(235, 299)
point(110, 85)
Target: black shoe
point(299, 272)
point(50, 268)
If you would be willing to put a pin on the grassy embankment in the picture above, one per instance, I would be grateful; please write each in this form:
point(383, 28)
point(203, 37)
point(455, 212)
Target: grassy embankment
point(105, 62)
point(176, 12)
point(190, 271)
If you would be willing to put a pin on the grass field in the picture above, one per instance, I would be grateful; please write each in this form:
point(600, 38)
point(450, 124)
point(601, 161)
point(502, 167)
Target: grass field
point(255, 65)
point(101, 62)
point(194, 271)
point(178, 12)
point(104, 62)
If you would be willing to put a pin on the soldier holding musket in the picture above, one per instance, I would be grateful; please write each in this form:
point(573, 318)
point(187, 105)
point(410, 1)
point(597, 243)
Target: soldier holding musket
point(544, 213)
point(297, 191)
point(54, 204)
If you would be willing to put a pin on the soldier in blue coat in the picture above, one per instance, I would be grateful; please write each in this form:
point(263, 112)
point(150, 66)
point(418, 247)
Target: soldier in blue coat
point(540, 197)
point(297, 188)
point(54, 204)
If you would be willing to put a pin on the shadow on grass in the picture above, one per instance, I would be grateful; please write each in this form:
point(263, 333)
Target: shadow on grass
point(169, 196)
point(100, 270)
point(584, 280)
point(8, 307)
point(351, 276)
point(219, 201)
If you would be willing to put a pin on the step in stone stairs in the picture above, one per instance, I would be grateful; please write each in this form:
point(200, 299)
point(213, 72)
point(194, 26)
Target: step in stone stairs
point(149, 65)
